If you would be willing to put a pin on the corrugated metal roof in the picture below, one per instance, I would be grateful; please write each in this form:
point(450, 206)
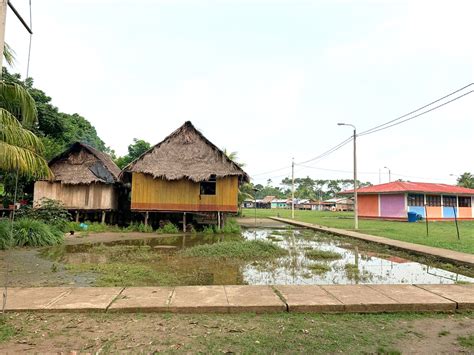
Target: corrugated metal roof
point(425, 187)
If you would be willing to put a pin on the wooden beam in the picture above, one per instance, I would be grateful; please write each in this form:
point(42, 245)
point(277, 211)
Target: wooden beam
point(103, 217)
point(184, 222)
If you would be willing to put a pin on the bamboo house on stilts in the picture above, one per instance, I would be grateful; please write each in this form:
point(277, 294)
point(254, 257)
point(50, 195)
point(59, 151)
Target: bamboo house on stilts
point(187, 175)
point(86, 181)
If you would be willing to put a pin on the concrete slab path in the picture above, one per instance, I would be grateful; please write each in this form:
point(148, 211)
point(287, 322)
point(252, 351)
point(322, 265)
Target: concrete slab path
point(440, 253)
point(231, 299)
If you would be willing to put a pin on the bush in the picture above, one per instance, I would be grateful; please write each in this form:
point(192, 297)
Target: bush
point(230, 227)
point(5, 234)
point(139, 227)
point(51, 212)
point(168, 228)
point(29, 232)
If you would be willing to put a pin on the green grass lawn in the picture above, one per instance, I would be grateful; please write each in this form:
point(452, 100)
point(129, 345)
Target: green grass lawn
point(441, 234)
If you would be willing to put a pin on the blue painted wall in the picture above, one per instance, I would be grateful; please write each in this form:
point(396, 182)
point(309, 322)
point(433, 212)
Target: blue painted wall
point(449, 213)
point(419, 210)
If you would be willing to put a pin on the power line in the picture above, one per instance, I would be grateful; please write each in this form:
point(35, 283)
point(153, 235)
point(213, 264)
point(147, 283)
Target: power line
point(393, 122)
point(336, 170)
point(271, 171)
point(329, 151)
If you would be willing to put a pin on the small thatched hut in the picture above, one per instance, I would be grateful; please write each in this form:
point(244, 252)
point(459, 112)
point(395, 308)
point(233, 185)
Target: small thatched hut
point(85, 180)
point(185, 173)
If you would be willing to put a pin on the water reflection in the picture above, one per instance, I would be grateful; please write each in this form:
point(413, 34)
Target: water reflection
point(354, 266)
point(313, 258)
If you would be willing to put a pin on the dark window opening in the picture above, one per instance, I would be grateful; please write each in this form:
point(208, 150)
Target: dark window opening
point(433, 200)
point(464, 201)
point(208, 187)
point(449, 201)
point(416, 200)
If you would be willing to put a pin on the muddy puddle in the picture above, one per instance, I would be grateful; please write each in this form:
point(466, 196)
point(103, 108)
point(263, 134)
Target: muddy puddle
point(309, 258)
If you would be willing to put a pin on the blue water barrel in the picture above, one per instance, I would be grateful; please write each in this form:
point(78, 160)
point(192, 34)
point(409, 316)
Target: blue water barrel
point(412, 216)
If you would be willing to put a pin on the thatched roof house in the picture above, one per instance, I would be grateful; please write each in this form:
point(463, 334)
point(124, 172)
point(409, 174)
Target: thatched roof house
point(185, 172)
point(84, 179)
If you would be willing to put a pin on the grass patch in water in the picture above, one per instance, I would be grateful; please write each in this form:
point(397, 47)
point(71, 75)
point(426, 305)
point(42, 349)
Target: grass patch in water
point(242, 249)
point(319, 268)
point(317, 254)
point(123, 274)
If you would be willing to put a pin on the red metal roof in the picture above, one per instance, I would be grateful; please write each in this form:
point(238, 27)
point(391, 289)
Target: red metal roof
point(425, 187)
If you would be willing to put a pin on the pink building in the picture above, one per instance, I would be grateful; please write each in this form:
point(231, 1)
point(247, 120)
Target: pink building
point(395, 199)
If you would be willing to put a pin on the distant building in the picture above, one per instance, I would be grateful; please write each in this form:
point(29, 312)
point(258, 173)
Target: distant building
point(395, 199)
point(339, 204)
point(280, 203)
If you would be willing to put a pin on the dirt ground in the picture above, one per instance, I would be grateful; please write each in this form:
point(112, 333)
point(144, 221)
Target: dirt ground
point(246, 333)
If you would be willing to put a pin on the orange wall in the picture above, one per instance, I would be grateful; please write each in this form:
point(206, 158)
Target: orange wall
point(368, 205)
point(465, 212)
point(434, 211)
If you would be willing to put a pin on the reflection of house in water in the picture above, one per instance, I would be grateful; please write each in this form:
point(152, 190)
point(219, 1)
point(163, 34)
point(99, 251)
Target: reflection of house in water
point(392, 258)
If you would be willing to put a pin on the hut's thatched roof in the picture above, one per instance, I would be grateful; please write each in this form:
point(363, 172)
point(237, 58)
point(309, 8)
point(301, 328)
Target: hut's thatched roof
point(82, 164)
point(185, 154)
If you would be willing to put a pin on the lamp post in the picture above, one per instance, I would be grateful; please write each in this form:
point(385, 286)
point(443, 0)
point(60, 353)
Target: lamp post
point(356, 212)
point(389, 174)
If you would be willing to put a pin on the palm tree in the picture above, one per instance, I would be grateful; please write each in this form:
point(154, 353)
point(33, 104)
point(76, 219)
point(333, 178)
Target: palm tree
point(20, 150)
point(466, 180)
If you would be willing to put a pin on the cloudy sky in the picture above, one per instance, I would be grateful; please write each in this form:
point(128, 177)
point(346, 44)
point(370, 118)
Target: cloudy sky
point(268, 79)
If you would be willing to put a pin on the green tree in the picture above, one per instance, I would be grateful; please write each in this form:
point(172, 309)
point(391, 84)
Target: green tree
point(137, 148)
point(466, 180)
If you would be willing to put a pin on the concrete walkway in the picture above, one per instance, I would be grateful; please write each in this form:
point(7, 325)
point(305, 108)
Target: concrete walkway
point(440, 253)
point(231, 299)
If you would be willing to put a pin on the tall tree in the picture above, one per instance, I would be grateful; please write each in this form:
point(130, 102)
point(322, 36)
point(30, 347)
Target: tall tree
point(466, 180)
point(137, 148)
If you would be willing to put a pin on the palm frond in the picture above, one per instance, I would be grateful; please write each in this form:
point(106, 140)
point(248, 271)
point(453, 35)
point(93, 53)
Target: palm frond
point(25, 161)
point(13, 133)
point(17, 100)
point(9, 55)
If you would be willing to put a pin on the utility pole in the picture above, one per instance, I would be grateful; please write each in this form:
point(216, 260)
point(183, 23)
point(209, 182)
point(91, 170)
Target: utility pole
point(3, 21)
point(389, 174)
point(356, 212)
point(293, 188)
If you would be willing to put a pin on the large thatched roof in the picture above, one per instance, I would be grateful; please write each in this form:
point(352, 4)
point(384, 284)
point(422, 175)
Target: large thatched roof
point(185, 154)
point(82, 164)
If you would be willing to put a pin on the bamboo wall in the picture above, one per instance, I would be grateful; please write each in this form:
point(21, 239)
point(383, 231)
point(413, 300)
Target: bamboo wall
point(81, 197)
point(150, 194)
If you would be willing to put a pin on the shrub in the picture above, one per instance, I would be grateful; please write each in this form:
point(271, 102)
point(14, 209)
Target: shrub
point(168, 228)
point(50, 211)
point(231, 227)
point(5, 234)
point(29, 232)
point(139, 227)
point(241, 249)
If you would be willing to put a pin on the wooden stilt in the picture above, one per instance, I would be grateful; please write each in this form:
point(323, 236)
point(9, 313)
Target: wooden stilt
point(184, 222)
point(77, 216)
point(146, 218)
point(218, 220)
point(103, 217)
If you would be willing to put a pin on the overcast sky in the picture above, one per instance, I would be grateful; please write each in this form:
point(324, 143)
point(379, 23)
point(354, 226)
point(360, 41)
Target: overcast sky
point(268, 79)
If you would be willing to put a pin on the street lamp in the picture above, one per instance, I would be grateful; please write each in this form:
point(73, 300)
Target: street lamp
point(389, 174)
point(356, 212)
